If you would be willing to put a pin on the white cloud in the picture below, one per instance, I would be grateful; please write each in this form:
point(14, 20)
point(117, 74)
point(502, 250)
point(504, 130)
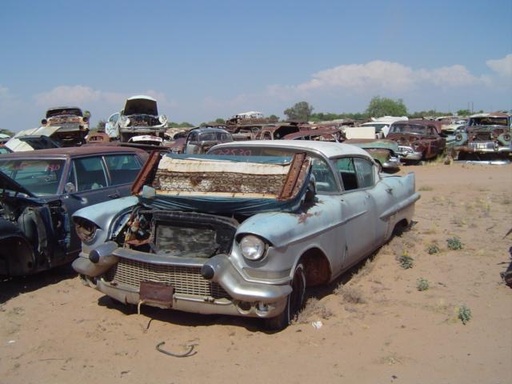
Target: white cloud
point(502, 67)
point(447, 77)
point(383, 74)
point(387, 76)
point(67, 95)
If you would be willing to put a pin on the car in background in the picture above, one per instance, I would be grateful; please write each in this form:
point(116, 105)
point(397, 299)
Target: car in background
point(383, 151)
point(4, 149)
point(487, 136)
point(200, 140)
point(34, 139)
point(242, 230)
point(138, 117)
point(40, 190)
point(72, 123)
point(4, 138)
point(417, 139)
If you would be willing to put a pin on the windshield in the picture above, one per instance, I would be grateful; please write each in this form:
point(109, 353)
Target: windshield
point(408, 128)
point(40, 177)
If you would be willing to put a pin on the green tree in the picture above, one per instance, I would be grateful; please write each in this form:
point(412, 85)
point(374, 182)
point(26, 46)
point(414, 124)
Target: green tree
point(301, 111)
point(383, 106)
point(273, 118)
point(463, 112)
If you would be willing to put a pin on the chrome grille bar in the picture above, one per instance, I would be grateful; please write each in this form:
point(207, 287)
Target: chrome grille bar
point(185, 280)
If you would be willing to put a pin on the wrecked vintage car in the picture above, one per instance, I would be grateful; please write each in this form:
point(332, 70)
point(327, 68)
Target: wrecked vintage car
point(138, 117)
point(487, 136)
point(417, 139)
point(40, 191)
point(243, 230)
point(72, 122)
point(200, 140)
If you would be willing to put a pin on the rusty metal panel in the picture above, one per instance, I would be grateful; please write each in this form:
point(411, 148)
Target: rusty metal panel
point(155, 292)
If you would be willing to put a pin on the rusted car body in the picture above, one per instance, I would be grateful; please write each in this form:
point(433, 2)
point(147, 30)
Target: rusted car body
point(41, 190)
point(417, 139)
point(72, 122)
point(486, 136)
point(139, 117)
point(243, 230)
point(276, 131)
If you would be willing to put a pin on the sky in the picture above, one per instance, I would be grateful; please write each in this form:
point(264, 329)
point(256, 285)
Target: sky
point(205, 59)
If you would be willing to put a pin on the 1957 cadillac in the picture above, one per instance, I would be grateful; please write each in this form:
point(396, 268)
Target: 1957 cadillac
point(243, 230)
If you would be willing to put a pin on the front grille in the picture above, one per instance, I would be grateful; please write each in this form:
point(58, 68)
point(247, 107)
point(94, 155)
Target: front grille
point(185, 280)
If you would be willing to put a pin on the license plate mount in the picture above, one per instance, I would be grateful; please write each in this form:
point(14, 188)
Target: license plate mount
point(156, 292)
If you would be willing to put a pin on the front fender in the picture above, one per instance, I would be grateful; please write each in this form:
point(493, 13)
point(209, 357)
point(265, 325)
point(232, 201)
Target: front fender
point(103, 212)
point(283, 228)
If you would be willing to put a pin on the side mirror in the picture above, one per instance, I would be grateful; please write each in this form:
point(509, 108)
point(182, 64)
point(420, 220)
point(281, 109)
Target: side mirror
point(69, 188)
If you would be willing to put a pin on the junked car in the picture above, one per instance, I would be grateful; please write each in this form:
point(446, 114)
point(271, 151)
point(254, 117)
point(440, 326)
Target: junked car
point(486, 136)
point(244, 230)
point(200, 140)
point(41, 190)
point(139, 117)
point(417, 140)
point(72, 123)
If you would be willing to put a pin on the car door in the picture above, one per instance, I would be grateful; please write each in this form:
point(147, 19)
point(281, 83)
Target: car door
point(98, 178)
point(358, 208)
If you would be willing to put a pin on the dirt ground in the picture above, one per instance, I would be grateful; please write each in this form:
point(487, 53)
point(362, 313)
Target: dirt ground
point(447, 318)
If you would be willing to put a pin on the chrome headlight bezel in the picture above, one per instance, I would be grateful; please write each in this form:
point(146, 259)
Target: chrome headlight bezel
point(86, 230)
point(253, 248)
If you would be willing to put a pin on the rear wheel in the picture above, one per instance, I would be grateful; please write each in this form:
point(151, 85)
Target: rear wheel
point(294, 301)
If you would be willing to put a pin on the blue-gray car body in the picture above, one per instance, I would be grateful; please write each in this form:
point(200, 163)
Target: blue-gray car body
point(243, 252)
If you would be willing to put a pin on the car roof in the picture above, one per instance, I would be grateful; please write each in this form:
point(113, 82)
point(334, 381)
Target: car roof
point(67, 152)
point(329, 149)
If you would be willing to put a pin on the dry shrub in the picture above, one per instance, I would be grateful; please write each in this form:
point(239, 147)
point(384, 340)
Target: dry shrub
point(313, 310)
point(350, 294)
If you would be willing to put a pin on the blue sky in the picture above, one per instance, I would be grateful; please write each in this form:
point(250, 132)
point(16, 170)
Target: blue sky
point(204, 59)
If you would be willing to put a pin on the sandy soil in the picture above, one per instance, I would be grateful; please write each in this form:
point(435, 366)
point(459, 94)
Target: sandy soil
point(375, 325)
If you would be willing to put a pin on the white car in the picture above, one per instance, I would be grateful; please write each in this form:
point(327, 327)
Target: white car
point(139, 117)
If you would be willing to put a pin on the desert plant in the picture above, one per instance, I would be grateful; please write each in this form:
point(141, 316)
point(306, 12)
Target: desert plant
point(352, 295)
point(464, 314)
point(406, 261)
point(422, 284)
point(313, 309)
point(432, 249)
point(454, 243)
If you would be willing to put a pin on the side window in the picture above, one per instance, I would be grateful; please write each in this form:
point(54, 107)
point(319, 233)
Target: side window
point(123, 169)
point(192, 137)
point(347, 170)
point(364, 172)
point(89, 173)
point(324, 178)
point(355, 173)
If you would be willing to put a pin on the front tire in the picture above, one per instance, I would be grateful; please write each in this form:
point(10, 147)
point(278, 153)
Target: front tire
point(294, 302)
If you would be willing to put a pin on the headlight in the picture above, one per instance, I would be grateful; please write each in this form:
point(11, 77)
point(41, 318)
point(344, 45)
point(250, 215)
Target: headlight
point(252, 247)
point(85, 229)
point(162, 119)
